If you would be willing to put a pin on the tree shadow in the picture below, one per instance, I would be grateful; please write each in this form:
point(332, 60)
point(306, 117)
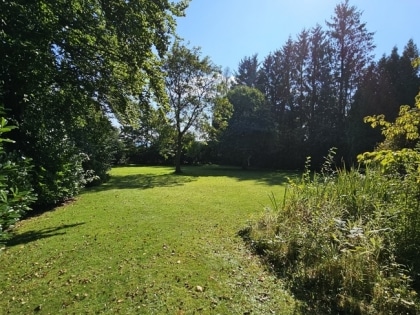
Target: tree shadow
point(265, 176)
point(192, 173)
point(142, 181)
point(34, 235)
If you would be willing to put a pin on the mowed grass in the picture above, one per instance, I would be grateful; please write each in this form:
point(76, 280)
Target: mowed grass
point(147, 242)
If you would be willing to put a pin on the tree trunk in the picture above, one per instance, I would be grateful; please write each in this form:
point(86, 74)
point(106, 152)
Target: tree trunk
point(178, 155)
point(246, 161)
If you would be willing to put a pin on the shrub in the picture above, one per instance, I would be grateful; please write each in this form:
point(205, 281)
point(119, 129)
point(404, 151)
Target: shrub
point(398, 158)
point(336, 239)
point(16, 193)
point(59, 174)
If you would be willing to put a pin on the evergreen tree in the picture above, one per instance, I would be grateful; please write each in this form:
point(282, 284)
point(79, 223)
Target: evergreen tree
point(387, 84)
point(319, 111)
point(248, 71)
point(352, 47)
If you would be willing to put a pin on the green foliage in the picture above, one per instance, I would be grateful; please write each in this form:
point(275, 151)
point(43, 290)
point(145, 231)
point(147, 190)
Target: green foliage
point(58, 149)
point(99, 141)
point(250, 130)
point(404, 162)
point(247, 73)
point(337, 240)
point(222, 112)
point(404, 132)
point(398, 158)
point(192, 85)
point(416, 62)
point(398, 154)
point(58, 173)
point(386, 85)
point(66, 66)
point(16, 193)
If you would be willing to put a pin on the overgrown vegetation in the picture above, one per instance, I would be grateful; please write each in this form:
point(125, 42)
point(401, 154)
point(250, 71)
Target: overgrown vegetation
point(346, 240)
point(335, 240)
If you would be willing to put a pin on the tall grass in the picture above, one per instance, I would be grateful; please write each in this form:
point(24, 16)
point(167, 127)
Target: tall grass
point(339, 239)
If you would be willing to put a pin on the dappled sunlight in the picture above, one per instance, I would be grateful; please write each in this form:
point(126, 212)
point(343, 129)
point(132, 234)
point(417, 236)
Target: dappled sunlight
point(149, 239)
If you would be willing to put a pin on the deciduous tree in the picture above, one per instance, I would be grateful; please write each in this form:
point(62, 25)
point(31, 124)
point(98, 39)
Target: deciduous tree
point(65, 63)
point(250, 134)
point(191, 86)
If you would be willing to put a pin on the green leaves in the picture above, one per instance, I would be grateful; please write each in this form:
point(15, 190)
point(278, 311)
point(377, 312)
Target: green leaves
point(250, 129)
point(191, 85)
point(79, 61)
point(5, 128)
point(16, 194)
point(398, 153)
point(338, 241)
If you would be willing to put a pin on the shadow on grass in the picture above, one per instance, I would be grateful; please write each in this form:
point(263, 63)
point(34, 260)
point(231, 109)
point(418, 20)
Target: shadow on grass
point(189, 174)
point(31, 236)
point(269, 177)
point(142, 181)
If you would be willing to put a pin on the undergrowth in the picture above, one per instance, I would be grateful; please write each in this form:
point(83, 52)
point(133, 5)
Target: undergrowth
point(339, 239)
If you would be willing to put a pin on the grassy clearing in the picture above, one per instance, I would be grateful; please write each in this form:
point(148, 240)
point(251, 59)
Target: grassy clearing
point(147, 242)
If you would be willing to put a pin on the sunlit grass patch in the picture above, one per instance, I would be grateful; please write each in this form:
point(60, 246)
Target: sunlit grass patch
point(147, 242)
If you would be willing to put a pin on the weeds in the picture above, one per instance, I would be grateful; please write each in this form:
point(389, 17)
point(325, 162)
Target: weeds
point(339, 239)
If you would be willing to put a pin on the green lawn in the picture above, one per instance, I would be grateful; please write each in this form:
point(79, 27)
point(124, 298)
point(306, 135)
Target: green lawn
point(147, 242)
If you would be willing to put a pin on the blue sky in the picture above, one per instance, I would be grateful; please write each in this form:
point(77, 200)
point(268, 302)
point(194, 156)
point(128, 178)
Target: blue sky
point(228, 30)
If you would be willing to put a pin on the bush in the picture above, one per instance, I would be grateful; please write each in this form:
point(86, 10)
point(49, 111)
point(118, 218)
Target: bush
point(59, 174)
point(336, 240)
point(98, 140)
point(16, 193)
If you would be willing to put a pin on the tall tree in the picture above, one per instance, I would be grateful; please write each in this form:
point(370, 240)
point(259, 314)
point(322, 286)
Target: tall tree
point(65, 63)
point(352, 47)
point(282, 83)
point(83, 45)
point(247, 73)
point(250, 133)
point(191, 85)
point(388, 83)
point(302, 64)
point(409, 82)
point(269, 78)
point(276, 79)
point(373, 93)
point(319, 112)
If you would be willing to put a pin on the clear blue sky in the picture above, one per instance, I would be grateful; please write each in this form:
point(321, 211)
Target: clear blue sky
point(228, 30)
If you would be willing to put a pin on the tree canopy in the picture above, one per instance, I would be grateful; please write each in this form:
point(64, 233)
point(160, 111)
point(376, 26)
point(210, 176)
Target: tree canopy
point(192, 86)
point(66, 67)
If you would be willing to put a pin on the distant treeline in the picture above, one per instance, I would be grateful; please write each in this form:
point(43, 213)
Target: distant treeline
point(318, 88)
point(308, 96)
